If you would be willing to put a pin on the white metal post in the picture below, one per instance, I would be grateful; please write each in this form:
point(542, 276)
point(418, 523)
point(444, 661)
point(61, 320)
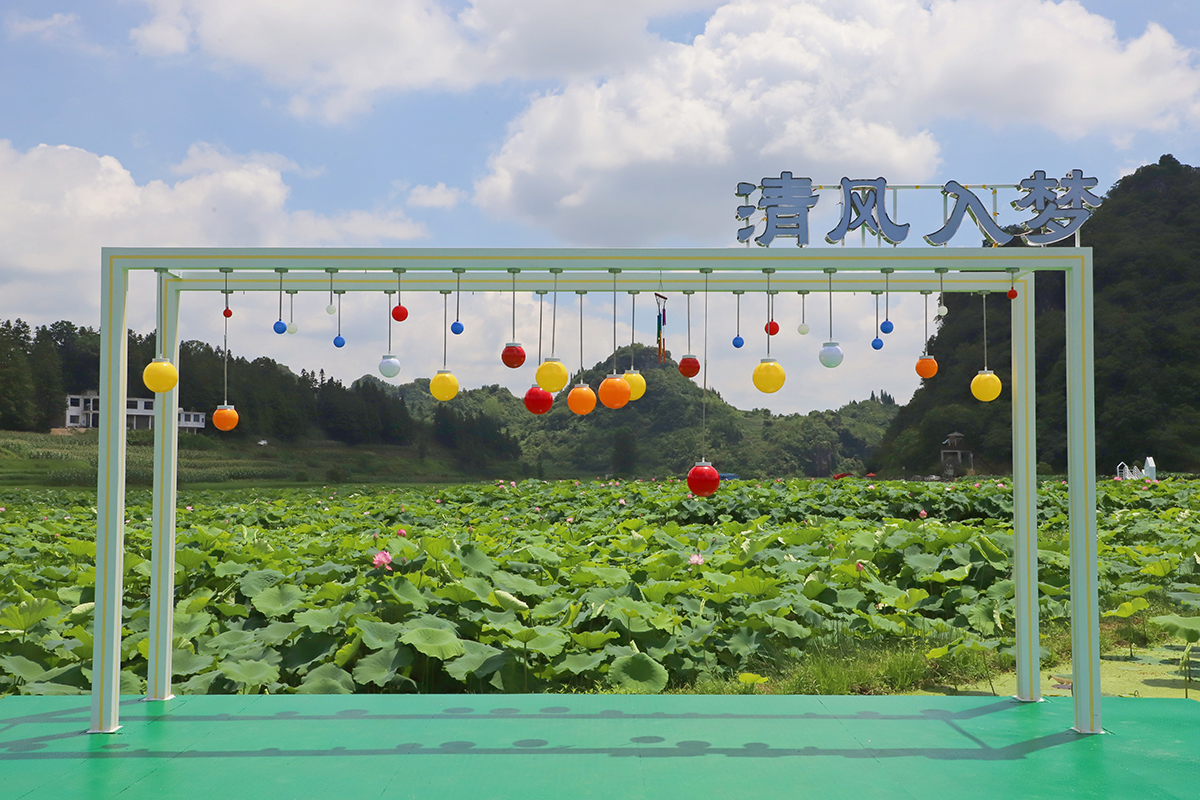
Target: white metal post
point(162, 549)
point(1081, 478)
point(1025, 523)
point(110, 499)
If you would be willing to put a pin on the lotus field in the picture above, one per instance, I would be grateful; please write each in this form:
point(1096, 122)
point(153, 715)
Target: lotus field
point(545, 586)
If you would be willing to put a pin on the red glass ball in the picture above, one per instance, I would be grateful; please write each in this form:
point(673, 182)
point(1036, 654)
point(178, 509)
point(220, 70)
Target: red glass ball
point(538, 400)
point(703, 480)
point(399, 313)
point(1012, 294)
point(689, 366)
point(227, 313)
point(771, 328)
point(513, 356)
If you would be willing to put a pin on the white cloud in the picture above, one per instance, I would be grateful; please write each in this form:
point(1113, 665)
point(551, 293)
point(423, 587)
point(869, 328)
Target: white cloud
point(834, 88)
point(440, 196)
point(63, 29)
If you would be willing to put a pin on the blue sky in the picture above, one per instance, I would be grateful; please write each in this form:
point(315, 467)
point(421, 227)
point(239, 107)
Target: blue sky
point(540, 123)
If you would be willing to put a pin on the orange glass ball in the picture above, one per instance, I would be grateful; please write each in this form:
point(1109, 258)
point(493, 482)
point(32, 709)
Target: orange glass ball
point(581, 400)
point(927, 366)
point(615, 392)
point(225, 418)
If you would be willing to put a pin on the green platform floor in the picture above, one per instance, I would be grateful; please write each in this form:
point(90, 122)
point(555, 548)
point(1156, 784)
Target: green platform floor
point(569, 746)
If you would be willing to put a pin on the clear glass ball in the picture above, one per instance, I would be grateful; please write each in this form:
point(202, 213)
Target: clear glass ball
point(331, 309)
point(831, 355)
point(292, 327)
point(802, 329)
point(943, 311)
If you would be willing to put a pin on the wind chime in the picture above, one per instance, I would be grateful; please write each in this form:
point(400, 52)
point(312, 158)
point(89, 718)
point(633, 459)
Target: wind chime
point(986, 385)
point(280, 326)
point(551, 374)
point(513, 354)
point(661, 301)
point(614, 390)
point(768, 376)
point(886, 326)
point(581, 400)
point(389, 365)
point(637, 384)
point(703, 479)
point(225, 418)
point(457, 327)
point(689, 365)
point(927, 365)
point(538, 400)
point(443, 385)
point(876, 343)
point(831, 353)
point(738, 341)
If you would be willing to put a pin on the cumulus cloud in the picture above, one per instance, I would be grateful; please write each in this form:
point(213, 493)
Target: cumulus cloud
point(440, 196)
point(62, 29)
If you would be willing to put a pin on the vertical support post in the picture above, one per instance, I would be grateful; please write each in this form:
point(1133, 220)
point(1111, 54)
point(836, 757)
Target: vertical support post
point(110, 499)
point(162, 548)
point(1081, 479)
point(1025, 520)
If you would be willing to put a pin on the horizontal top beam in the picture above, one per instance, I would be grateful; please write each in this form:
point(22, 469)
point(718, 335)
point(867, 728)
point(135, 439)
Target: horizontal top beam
point(725, 259)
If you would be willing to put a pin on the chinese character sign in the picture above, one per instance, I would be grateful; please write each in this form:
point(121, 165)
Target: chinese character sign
point(1060, 207)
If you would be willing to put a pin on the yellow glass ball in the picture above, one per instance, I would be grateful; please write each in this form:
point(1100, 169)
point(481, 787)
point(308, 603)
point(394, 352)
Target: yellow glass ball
point(614, 392)
point(985, 386)
point(160, 375)
point(444, 385)
point(581, 400)
point(637, 384)
point(769, 376)
point(225, 418)
point(551, 375)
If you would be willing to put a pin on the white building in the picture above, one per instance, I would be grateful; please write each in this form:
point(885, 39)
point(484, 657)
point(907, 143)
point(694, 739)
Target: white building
point(83, 411)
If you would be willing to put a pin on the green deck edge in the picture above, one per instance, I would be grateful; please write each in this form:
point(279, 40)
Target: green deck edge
point(570, 746)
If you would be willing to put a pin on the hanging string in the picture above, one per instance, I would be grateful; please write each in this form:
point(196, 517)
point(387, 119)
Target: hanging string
point(389, 316)
point(831, 306)
point(226, 293)
point(768, 329)
point(445, 325)
point(632, 328)
point(614, 323)
point(457, 296)
point(581, 336)
point(225, 346)
point(514, 304)
point(339, 297)
point(738, 324)
point(803, 303)
point(291, 308)
point(876, 315)
point(925, 344)
point(331, 288)
point(704, 380)
point(554, 316)
point(985, 366)
point(689, 320)
point(541, 313)
point(281, 295)
point(887, 295)
point(399, 289)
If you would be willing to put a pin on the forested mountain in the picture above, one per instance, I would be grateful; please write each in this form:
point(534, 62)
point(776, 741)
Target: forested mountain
point(1146, 256)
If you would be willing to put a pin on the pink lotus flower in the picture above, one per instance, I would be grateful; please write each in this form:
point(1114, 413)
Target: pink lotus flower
point(506, 519)
point(189, 508)
point(537, 508)
point(622, 500)
point(439, 500)
point(858, 565)
point(570, 519)
point(923, 514)
point(512, 483)
point(401, 531)
point(382, 559)
point(870, 486)
point(696, 559)
point(977, 486)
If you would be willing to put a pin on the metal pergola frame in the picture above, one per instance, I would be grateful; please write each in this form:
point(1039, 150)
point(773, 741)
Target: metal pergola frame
point(181, 270)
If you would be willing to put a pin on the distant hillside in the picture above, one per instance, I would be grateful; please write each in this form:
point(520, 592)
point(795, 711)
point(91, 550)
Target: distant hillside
point(1146, 255)
point(660, 433)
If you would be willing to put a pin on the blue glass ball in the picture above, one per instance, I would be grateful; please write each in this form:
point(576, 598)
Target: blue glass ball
point(877, 343)
point(886, 327)
point(456, 328)
point(280, 326)
point(339, 341)
point(738, 341)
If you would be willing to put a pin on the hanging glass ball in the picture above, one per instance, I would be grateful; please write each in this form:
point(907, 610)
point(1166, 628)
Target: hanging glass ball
point(399, 313)
point(877, 343)
point(886, 326)
point(292, 327)
point(614, 392)
point(280, 326)
point(768, 376)
point(389, 366)
point(331, 309)
point(927, 366)
point(160, 375)
point(942, 311)
point(443, 386)
point(703, 480)
point(339, 341)
point(689, 366)
point(227, 313)
point(771, 328)
point(1012, 293)
point(985, 386)
point(802, 329)
point(225, 418)
point(538, 400)
point(552, 375)
point(513, 355)
point(738, 341)
point(581, 400)
point(637, 384)
point(456, 327)
point(831, 355)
